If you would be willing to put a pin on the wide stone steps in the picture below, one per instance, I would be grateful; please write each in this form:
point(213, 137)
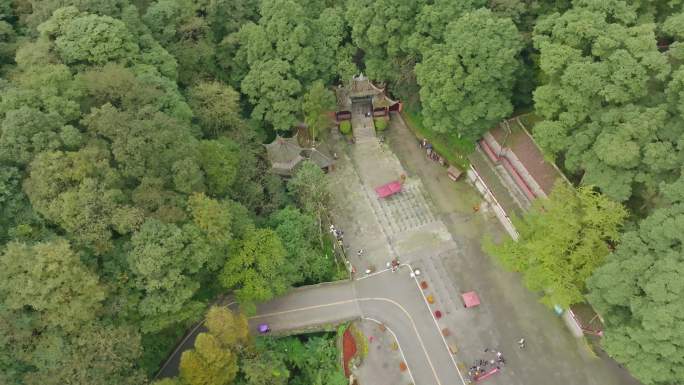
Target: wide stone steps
point(447, 296)
point(363, 128)
point(404, 211)
point(388, 225)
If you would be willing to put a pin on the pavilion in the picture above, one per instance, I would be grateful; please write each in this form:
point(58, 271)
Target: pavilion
point(285, 154)
point(361, 92)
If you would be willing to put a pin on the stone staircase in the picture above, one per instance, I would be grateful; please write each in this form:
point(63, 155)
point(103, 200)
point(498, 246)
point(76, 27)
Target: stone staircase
point(447, 296)
point(363, 128)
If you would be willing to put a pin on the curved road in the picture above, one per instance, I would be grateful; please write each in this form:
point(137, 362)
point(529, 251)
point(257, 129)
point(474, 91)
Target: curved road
point(394, 299)
point(391, 298)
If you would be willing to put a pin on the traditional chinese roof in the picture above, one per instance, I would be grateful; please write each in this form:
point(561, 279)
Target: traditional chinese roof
point(317, 156)
point(321, 155)
point(361, 87)
point(520, 142)
point(284, 154)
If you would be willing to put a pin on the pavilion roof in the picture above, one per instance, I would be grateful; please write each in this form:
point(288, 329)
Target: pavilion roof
point(382, 101)
point(360, 87)
point(284, 154)
point(526, 150)
point(319, 155)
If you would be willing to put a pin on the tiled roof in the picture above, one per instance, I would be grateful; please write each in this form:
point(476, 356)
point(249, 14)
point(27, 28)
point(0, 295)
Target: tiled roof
point(526, 150)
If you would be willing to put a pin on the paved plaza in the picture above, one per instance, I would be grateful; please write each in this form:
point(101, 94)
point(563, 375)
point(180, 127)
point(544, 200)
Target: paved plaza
point(432, 226)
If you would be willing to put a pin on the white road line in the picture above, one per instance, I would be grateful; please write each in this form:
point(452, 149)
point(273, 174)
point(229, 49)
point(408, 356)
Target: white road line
point(413, 323)
point(303, 308)
point(437, 325)
point(398, 344)
point(415, 329)
point(372, 274)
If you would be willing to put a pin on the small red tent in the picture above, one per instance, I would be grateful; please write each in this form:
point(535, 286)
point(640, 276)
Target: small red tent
point(388, 189)
point(470, 299)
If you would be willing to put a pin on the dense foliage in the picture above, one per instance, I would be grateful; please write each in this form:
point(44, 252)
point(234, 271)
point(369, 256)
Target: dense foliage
point(133, 190)
point(562, 241)
point(133, 186)
point(466, 83)
point(227, 354)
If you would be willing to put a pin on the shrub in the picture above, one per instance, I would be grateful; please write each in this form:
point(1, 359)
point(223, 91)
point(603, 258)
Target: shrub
point(380, 124)
point(345, 127)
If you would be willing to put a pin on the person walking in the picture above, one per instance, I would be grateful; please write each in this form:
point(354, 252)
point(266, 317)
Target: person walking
point(521, 343)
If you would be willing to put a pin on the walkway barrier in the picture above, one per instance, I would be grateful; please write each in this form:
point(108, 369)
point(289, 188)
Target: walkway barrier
point(481, 186)
point(338, 246)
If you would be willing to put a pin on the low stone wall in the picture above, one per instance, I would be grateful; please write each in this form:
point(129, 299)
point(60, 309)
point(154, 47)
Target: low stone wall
point(505, 220)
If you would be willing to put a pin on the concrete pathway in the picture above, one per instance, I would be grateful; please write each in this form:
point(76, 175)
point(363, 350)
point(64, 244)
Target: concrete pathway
point(508, 311)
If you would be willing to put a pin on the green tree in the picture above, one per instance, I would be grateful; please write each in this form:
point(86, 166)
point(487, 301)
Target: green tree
point(274, 92)
point(432, 20)
point(47, 87)
point(320, 363)
point(227, 16)
point(208, 363)
point(16, 214)
point(164, 260)
point(381, 29)
point(131, 89)
point(230, 329)
point(217, 106)
point(49, 279)
point(466, 83)
point(220, 160)
point(315, 107)
point(89, 39)
point(563, 239)
point(98, 354)
point(8, 43)
point(187, 176)
point(211, 216)
point(182, 27)
point(306, 261)
point(639, 292)
point(265, 368)
point(213, 219)
point(79, 192)
point(309, 187)
point(292, 45)
point(26, 132)
point(255, 271)
point(602, 73)
point(148, 143)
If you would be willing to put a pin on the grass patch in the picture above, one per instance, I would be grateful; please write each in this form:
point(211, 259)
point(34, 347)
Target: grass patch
point(380, 124)
point(455, 150)
point(361, 342)
point(345, 127)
